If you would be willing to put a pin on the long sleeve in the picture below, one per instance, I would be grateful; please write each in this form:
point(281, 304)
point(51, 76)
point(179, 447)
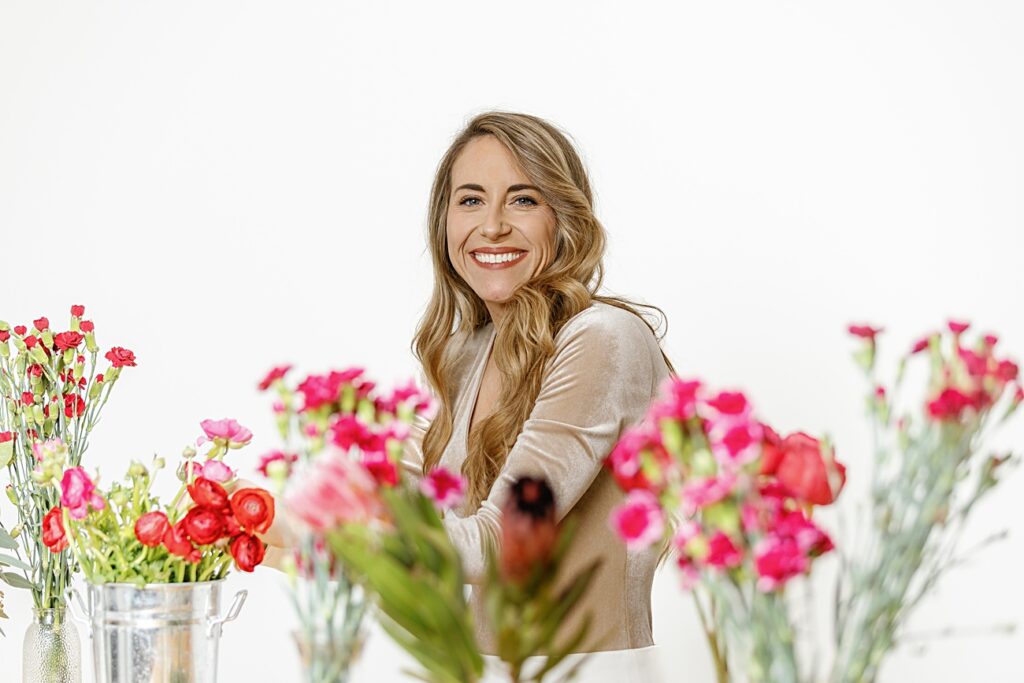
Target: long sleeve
point(598, 382)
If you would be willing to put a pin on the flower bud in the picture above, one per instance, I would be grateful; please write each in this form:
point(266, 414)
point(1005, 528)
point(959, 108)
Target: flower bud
point(16, 531)
point(119, 497)
point(159, 463)
point(137, 470)
point(47, 337)
point(90, 342)
point(95, 390)
point(11, 495)
point(188, 453)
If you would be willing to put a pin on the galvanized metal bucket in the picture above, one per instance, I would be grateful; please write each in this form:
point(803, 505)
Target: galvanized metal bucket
point(163, 633)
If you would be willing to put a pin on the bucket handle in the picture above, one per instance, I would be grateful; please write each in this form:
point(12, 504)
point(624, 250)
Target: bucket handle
point(73, 611)
point(236, 606)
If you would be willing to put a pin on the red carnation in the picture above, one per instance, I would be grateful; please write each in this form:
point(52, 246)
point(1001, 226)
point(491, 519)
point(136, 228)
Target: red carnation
point(1007, 371)
point(274, 374)
point(4, 335)
point(74, 406)
point(865, 331)
point(248, 551)
point(203, 525)
point(54, 536)
point(119, 357)
point(949, 404)
point(77, 310)
point(20, 330)
point(68, 340)
point(87, 326)
point(208, 494)
point(27, 398)
point(151, 528)
point(6, 436)
point(253, 508)
point(31, 341)
point(958, 327)
point(41, 323)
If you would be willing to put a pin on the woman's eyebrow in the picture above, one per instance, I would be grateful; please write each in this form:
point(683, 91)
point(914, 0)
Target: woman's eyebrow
point(511, 188)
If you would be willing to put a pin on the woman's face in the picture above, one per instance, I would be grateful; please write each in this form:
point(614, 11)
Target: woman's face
point(500, 230)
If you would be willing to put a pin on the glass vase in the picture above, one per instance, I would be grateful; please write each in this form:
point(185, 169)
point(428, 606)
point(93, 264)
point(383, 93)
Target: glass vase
point(325, 659)
point(51, 652)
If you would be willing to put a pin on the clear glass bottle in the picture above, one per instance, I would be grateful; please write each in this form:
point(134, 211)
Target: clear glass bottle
point(52, 652)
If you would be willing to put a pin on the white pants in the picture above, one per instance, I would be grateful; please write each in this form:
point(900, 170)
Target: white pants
point(639, 665)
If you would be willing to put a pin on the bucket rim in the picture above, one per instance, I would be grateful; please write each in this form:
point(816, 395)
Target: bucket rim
point(157, 586)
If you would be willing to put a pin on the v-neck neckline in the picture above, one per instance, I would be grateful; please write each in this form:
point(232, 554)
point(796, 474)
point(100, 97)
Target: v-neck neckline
point(475, 392)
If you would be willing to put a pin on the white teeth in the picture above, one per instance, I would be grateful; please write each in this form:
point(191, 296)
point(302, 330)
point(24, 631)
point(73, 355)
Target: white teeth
point(498, 258)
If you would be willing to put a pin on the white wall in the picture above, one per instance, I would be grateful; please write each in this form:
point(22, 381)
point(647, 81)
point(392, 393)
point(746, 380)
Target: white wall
point(226, 185)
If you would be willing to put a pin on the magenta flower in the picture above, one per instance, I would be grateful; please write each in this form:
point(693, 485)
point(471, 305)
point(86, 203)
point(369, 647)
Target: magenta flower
point(445, 488)
point(78, 493)
point(777, 560)
point(722, 552)
point(217, 471)
point(286, 460)
point(699, 492)
point(677, 399)
point(335, 490)
point(227, 432)
point(639, 521)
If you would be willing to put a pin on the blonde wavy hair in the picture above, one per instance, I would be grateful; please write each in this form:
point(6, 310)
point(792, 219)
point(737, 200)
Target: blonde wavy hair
point(534, 313)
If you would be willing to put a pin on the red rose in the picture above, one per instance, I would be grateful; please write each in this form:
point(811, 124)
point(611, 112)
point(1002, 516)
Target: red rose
point(176, 540)
point(31, 341)
point(4, 335)
point(151, 528)
point(203, 525)
point(119, 357)
point(27, 398)
point(77, 310)
point(74, 406)
point(253, 508)
point(771, 450)
point(87, 326)
point(41, 323)
point(274, 374)
point(208, 494)
point(808, 473)
point(68, 340)
point(20, 330)
point(865, 331)
point(248, 551)
point(54, 537)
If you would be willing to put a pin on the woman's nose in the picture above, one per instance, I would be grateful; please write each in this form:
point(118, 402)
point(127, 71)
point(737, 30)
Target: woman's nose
point(494, 227)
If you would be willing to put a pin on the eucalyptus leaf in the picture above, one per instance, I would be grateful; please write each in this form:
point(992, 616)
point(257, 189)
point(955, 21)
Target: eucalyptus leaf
point(16, 580)
point(7, 541)
point(13, 562)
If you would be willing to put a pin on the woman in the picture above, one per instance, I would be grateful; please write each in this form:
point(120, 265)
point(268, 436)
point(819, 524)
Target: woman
point(535, 373)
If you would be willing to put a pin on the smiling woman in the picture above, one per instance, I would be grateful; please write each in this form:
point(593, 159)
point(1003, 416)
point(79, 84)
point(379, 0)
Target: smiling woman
point(536, 373)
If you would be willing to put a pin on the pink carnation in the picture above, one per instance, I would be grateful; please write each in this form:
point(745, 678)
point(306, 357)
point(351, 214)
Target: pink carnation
point(722, 552)
point(639, 521)
point(443, 487)
point(777, 560)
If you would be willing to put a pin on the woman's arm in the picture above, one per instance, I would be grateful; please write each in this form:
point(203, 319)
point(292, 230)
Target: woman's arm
point(599, 381)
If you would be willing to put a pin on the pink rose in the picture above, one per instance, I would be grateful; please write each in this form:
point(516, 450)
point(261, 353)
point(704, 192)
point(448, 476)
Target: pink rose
point(78, 493)
point(639, 521)
point(443, 487)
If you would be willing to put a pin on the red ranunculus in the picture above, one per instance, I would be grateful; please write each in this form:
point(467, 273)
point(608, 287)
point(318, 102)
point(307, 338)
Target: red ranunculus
point(253, 508)
point(151, 528)
point(231, 526)
point(119, 357)
point(68, 340)
point(87, 326)
point(74, 406)
point(771, 450)
point(248, 551)
point(176, 540)
point(77, 310)
point(41, 323)
point(807, 472)
point(208, 494)
point(54, 537)
point(203, 525)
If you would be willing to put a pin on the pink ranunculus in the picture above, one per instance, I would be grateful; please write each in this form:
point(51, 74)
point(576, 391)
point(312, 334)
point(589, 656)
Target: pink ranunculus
point(334, 490)
point(443, 487)
point(78, 493)
point(639, 521)
point(217, 471)
point(228, 431)
point(380, 466)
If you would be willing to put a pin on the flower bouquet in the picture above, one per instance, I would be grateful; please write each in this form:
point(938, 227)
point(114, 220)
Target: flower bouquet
point(737, 500)
point(154, 570)
point(342, 442)
point(49, 389)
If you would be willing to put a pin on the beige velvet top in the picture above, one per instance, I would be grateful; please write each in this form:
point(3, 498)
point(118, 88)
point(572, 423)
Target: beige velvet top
point(606, 369)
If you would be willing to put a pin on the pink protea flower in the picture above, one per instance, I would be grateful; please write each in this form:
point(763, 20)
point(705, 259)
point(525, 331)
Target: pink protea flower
point(226, 432)
point(639, 521)
point(78, 493)
point(443, 487)
point(335, 490)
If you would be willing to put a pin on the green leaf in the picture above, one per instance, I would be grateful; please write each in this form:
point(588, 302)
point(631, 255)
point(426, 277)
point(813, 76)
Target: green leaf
point(7, 541)
point(16, 580)
point(6, 453)
point(13, 562)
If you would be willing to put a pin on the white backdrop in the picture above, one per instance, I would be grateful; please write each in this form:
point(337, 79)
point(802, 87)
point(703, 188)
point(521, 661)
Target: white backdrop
point(227, 185)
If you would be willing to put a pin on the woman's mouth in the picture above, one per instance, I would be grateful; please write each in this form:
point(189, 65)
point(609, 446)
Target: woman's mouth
point(498, 261)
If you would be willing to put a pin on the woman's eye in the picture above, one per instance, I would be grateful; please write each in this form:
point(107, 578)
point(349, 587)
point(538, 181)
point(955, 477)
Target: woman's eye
point(529, 199)
point(467, 199)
